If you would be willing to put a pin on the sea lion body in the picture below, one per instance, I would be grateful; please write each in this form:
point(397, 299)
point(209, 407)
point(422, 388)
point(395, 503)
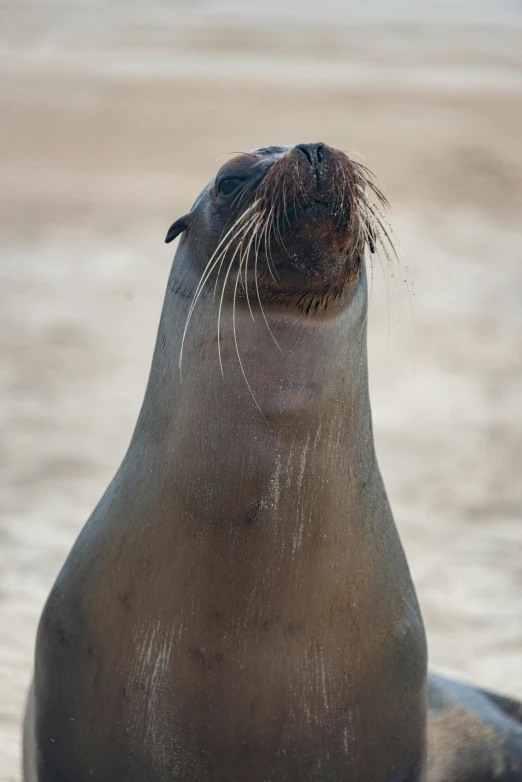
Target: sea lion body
point(239, 606)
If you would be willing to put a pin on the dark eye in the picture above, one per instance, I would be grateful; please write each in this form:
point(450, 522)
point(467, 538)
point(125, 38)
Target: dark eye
point(229, 185)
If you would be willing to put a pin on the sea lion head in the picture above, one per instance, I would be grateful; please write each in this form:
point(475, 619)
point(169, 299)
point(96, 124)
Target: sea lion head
point(283, 225)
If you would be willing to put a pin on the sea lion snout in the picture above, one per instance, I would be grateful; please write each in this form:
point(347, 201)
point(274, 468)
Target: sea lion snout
point(314, 153)
point(312, 202)
point(315, 171)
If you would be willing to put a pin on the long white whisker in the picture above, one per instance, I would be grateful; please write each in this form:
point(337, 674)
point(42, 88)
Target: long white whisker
point(236, 225)
point(237, 345)
point(213, 261)
point(265, 234)
point(259, 296)
point(246, 256)
point(221, 307)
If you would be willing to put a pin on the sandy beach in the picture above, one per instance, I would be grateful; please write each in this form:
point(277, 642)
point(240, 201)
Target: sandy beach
point(113, 120)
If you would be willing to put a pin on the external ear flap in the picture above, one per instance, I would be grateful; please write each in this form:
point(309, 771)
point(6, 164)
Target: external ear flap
point(177, 228)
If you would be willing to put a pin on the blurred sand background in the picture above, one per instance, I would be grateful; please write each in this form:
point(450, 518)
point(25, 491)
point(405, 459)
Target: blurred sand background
point(113, 117)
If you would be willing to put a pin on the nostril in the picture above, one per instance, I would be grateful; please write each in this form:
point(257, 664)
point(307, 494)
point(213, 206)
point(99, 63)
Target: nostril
point(320, 152)
point(304, 149)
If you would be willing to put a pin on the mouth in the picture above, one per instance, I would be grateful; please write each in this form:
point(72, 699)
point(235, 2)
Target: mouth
point(318, 217)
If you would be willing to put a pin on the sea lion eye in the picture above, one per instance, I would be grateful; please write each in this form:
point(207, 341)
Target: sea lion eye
point(228, 185)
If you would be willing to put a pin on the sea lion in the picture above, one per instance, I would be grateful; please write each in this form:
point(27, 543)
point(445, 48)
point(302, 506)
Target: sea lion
point(239, 606)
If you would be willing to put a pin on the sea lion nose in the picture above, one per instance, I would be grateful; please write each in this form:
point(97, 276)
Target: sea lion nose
point(315, 153)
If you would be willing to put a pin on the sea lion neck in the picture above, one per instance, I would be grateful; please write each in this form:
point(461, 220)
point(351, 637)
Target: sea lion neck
point(301, 404)
point(260, 365)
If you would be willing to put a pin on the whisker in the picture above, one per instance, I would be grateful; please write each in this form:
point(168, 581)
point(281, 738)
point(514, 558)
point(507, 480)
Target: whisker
point(206, 274)
point(221, 307)
point(256, 279)
point(234, 331)
point(247, 255)
point(264, 234)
